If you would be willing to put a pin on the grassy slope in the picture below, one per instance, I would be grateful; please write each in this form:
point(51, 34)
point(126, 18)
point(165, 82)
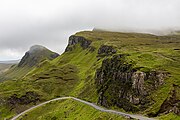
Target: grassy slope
point(69, 110)
point(17, 72)
point(170, 116)
point(52, 86)
point(51, 79)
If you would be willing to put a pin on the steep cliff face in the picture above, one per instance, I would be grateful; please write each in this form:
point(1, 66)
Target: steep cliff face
point(73, 40)
point(120, 84)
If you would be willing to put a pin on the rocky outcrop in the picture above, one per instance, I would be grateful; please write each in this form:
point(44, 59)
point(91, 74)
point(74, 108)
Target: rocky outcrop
point(106, 50)
point(73, 40)
point(138, 84)
point(120, 84)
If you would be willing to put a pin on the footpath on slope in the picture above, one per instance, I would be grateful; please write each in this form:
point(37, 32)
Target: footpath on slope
point(139, 117)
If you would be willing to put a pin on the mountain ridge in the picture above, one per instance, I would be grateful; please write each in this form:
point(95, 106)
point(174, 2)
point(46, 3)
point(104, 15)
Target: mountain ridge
point(133, 72)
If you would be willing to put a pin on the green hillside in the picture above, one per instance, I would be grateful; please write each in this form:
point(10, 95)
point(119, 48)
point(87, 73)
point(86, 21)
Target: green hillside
point(68, 110)
point(30, 60)
point(132, 72)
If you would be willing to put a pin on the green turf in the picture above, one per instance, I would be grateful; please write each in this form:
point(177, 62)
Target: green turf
point(73, 72)
point(68, 110)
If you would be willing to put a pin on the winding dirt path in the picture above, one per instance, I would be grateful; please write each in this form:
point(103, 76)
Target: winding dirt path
point(139, 117)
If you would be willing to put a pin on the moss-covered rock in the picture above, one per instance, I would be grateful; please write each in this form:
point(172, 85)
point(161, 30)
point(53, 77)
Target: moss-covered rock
point(120, 84)
point(73, 40)
point(29, 97)
point(106, 50)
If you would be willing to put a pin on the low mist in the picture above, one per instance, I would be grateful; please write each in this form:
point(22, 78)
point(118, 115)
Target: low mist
point(50, 23)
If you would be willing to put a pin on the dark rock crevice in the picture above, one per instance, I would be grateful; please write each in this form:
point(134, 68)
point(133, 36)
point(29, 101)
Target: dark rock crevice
point(120, 84)
point(171, 104)
point(29, 97)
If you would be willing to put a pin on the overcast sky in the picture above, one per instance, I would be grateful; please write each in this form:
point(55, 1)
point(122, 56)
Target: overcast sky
point(24, 23)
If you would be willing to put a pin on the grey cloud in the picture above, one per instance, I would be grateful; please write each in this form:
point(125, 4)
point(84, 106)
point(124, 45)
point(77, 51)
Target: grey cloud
point(24, 23)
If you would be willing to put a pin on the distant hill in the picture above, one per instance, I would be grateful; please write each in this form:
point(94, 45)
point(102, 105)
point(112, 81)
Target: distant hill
point(154, 32)
point(177, 32)
point(29, 61)
point(4, 67)
point(10, 62)
point(36, 55)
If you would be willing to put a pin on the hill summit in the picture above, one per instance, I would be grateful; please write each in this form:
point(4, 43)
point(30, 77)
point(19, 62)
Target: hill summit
point(35, 55)
point(36, 48)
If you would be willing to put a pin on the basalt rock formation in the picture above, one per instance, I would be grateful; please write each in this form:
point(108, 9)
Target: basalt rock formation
point(106, 50)
point(73, 40)
point(120, 84)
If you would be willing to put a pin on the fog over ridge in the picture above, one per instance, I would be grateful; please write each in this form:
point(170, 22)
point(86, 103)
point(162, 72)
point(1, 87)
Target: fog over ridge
point(49, 23)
